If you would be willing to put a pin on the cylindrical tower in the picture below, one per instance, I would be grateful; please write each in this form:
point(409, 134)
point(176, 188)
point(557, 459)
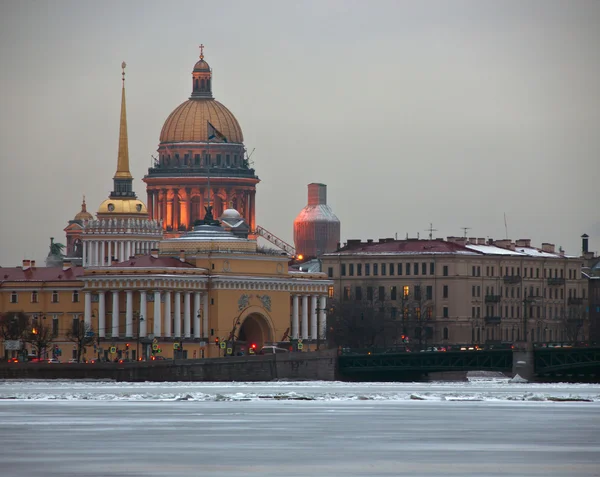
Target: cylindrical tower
point(201, 162)
point(316, 229)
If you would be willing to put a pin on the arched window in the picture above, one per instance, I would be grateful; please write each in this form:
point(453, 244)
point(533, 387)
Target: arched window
point(196, 84)
point(202, 85)
point(445, 333)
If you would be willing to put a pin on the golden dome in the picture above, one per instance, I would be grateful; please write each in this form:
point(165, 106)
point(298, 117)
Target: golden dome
point(83, 214)
point(201, 65)
point(132, 207)
point(189, 122)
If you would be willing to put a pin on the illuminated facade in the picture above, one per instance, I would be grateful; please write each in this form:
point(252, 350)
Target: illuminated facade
point(201, 159)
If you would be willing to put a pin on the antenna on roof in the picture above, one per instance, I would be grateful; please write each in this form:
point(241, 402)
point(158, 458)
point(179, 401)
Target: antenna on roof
point(464, 229)
point(431, 230)
point(505, 225)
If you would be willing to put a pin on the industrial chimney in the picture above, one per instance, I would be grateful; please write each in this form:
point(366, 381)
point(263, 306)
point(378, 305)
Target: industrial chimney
point(316, 229)
point(584, 243)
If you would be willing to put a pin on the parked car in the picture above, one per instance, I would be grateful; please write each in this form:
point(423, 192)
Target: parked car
point(272, 350)
point(53, 361)
point(72, 361)
point(13, 360)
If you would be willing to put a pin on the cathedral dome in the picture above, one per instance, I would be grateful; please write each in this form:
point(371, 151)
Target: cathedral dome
point(188, 122)
point(201, 65)
point(120, 207)
point(83, 214)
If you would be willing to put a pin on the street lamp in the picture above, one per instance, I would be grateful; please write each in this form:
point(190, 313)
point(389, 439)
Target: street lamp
point(137, 352)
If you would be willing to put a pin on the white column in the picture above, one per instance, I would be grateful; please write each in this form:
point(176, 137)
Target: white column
point(156, 330)
point(115, 313)
point(102, 253)
point(129, 315)
point(186, 314)
point(322, 318)
point(205, 329)
point(109, 252)
point(197, 315)
point(88, 308)
point(295, 317)
point(121, 251)
point(96, 253)
point(84, 260)
point(101, 315)
point(313, 317)
point(167, 319)
point(304, 317)
point(127, 249)
point(177, 315)
point(143, 314)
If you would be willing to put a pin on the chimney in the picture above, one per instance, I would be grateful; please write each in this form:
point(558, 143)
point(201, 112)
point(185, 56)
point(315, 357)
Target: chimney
point(181, 256)
point(26, 264)
point(481, 241)
point(548, 247)
point(33, 264)
point(154, 253)
point(369, 240)
point(460, 241)
point(472, 240)
point(317, 194)
point(584, 243)
point(523, 243)
point(66, 265)
point(504, 243)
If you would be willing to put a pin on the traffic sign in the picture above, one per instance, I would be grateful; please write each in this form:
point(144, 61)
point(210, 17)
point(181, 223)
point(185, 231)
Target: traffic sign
point(300, 345)
point(154, 347)
point(229, 351)
point(299, 340)
point(113, 349)
point(175, 345)
point(154, 341)
point(223, 345)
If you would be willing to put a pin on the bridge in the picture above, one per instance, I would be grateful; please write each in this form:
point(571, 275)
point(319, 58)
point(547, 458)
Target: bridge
point(547, 363)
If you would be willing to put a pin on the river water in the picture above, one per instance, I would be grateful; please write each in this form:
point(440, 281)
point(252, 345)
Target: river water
point(485, 427)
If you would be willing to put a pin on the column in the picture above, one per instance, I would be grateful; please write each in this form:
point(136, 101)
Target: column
point(127, 249)
point(313, 317)
point(150, 204)
point(177, 315)
point(304, 317)
point(190, 220)
point(164, 208)
point(121, 251)
point(167, 327)
point(84, 258)
point(115, 314)
point(109, 252)
point(252, 211)
point(197, 315)
point(186, 314)
point(129, 315)
point(94, 253)
point(101, 315)
point(175, 209)
point(142, 324)
point(157, 327)
point(205, 331)
point(295, 318)
point(87, 316)
point(322, 318)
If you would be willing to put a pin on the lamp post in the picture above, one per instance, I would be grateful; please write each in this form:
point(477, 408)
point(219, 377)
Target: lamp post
point(526, 302)
point(140, 319)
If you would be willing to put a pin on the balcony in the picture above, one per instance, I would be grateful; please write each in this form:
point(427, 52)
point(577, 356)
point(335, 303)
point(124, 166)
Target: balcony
point(556, 281)
point(575, 301)
point(512, 279)
point(492, 320)
point(492, 298)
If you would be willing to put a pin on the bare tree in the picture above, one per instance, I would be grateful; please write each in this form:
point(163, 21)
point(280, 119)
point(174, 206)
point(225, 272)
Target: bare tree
point(39, 335)
point(573, 321)
point(82, 335)
point(355, 324)
point(13, 326)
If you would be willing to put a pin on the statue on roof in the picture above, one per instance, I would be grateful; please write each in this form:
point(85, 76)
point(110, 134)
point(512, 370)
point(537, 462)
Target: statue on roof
point(55, 255)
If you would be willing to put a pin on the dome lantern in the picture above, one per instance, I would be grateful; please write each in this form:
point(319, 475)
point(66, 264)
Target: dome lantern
point(201, 78)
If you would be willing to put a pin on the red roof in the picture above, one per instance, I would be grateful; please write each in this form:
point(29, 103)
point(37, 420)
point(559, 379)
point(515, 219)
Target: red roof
point(39, 274)
point(148, 261)
point(403, 247)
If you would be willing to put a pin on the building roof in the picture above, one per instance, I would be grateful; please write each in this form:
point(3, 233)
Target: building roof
point(148, 261)
point(402, 247)
point(39, 274)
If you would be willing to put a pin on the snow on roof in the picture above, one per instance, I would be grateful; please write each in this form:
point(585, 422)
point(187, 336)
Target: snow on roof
point(534, 252)
point(492, 250)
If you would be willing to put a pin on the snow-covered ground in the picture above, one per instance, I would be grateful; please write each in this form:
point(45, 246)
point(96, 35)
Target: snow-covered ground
point(485, 427)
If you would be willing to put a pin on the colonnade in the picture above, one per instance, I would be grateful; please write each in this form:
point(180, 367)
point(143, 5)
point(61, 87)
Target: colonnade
point(314, 318)
point(99, 252)
point(182, 206)
point(174, 319)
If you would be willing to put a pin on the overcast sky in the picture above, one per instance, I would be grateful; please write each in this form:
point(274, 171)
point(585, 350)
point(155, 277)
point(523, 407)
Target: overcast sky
point(447, 112)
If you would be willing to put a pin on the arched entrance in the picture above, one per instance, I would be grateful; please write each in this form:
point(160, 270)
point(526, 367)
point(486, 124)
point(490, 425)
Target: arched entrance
point(255, 329)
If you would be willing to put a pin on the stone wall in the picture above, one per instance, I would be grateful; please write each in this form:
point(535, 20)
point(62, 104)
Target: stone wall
point(318, 365)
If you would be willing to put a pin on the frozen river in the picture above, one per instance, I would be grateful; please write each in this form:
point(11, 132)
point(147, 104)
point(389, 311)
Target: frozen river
point(477, 428)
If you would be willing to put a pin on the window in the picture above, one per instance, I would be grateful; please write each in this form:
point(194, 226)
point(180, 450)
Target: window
point(381, 293)
point(359, 269)
point(346, 293)
point(445, 291)
point(408, 269)
point(391, 268)
point(445, 333)
point(358, 293)
point(329, 274)
point(474, 271)
point(393, 293)
point(351, 269)
point(446, 313)
point(399, 269)
point(55, 326)
point(343, 269)
point(416, 268)
point(370, 293)
point(429, 292)
point(423, 269)
point(330, 291)
point(432, 268)
point(218, 159)
point(54, 296)
point(75, 325)
point(375, 269)
point(473, 290)
point(492, 271)
point(367, 269)
point(14, 297)
point(478, 290)
point(525, 272)
point(445, 270)
point(383, 269)
point(393, 313)
point(34, 297)
point(197, 159)
point(76, 293)
point(405, 291)
point(487, 271)
point(417, 292)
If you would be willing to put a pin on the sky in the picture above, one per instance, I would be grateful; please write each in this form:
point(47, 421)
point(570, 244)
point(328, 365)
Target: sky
point(451, 113)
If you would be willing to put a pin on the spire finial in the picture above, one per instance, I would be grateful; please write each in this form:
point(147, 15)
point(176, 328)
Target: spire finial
point(123, 65)
point(83, 206)
point(123, 155)
point(201, 52)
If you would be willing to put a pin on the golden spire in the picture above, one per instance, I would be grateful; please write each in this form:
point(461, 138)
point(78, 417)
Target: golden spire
point(123, 156)
point(201, 52)
point(83, 206)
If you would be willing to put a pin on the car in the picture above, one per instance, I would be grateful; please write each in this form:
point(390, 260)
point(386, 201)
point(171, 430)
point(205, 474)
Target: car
point(53, 361)
point(13, 360)
point(73, 361)
point(272, 350)
point(157, 358)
